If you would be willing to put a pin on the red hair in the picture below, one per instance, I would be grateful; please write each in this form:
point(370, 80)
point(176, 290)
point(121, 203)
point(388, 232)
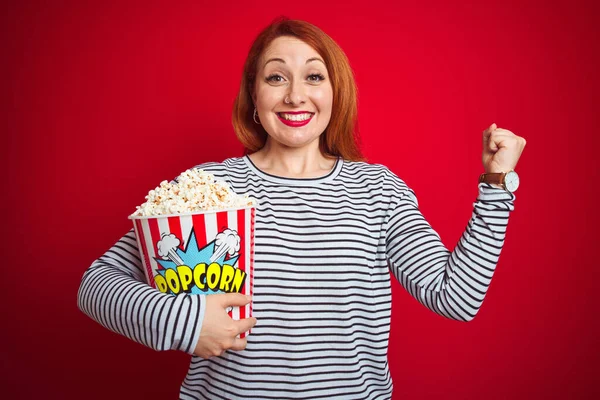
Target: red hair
point(340, 138)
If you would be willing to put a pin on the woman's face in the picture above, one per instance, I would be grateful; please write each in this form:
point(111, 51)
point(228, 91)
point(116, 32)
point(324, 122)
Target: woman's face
point(293, 94)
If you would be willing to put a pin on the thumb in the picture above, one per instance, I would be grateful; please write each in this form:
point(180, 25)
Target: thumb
point(234, 299)
point(488, 132)
point(487, 138)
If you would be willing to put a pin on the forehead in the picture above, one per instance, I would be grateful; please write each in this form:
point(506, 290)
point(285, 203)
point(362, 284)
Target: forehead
point(290, 49)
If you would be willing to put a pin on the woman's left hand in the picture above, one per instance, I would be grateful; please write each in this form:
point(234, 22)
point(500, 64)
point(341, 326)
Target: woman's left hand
point(501, 149)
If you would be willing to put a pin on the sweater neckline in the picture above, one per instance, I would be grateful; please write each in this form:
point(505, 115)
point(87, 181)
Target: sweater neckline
point(330, 176)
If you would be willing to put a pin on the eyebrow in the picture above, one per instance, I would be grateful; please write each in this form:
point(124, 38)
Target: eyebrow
point(281, 60)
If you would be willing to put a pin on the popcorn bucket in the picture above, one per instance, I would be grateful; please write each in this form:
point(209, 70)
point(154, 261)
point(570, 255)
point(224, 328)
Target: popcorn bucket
point(199, 253)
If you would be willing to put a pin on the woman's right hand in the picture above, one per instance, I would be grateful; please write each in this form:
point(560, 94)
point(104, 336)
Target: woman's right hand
point(219, 331)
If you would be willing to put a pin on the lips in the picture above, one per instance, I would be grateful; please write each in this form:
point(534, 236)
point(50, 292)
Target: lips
point(295, 118)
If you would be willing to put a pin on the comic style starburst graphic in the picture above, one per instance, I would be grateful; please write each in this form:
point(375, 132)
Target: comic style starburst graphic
point(193, 255)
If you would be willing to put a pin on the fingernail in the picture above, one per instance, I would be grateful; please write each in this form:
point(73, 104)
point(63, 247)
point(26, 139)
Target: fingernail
point(249, 297)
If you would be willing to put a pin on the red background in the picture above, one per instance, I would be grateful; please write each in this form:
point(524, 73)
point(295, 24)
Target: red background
point(106, 99)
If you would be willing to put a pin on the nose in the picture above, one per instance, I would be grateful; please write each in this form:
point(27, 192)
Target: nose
point(296, 94)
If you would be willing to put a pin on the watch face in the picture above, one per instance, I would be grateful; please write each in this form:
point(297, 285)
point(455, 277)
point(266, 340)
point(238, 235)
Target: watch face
point(511, 181)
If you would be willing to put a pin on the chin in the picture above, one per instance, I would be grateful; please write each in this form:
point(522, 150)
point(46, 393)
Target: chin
point(298, 144)
point(296, 141)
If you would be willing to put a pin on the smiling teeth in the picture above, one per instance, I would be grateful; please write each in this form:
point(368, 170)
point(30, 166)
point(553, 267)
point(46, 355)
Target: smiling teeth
point(296, 117)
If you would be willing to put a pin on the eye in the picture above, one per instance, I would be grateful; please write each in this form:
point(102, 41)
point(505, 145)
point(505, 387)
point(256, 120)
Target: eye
point(316, 78)
point(274, 78)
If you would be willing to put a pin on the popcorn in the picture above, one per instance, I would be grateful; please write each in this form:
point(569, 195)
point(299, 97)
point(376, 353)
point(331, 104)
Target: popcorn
point(194, 190)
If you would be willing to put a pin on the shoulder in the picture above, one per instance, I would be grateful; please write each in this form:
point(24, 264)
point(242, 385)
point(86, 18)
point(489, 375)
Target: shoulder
point(223, 168)
point(358, 170)
point(227, 164)
point(389, 184)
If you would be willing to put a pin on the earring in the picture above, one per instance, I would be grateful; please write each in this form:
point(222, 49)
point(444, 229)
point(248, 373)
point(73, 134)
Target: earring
point(287, 100)
point(254, 115)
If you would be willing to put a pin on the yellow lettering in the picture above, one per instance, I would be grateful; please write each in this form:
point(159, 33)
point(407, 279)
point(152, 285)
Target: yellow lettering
point(238, 280)
point(212, 275)
point(200, 276)
point(226, 277)
point(185, 275)
point(161, 284)
point(173, 280)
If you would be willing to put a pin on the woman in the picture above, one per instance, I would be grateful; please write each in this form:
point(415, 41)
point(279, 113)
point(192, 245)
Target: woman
point(329, 229)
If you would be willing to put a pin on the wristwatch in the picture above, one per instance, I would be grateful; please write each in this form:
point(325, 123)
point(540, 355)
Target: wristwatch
point(508, 180)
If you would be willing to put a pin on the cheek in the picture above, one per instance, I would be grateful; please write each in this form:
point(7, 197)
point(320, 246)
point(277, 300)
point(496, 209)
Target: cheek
point(267, 97)
point(323, 97)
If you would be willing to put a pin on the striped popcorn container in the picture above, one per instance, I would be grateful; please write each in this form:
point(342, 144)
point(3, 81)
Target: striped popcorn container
point(199, 253)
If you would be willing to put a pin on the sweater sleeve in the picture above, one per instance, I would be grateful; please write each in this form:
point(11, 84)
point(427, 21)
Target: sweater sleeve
point(114, 293)
point(451, 284)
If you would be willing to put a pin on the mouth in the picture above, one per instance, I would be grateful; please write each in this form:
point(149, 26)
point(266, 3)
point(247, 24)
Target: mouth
point(295, 118)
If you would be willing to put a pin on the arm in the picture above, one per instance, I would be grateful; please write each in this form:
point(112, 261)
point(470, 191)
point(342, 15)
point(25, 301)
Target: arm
point(113, 292)
point(454, 285)
point(450, 284)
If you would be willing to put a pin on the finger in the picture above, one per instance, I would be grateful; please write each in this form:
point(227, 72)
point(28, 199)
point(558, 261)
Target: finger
point(239, 344)
point(486, 135)
point(497, 135)
point(497, 138)
point(506, 139)
point(491, 128)
point(488, 132)
point(244, 325)
point(492, 145)
point(234, 299)
point(504, 131)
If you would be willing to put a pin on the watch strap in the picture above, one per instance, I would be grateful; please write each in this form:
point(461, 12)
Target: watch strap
point(493, 178)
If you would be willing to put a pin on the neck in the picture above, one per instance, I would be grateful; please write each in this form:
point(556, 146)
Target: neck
point(290, 162)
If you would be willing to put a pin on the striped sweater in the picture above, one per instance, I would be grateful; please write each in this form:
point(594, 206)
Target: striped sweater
point(324, 249)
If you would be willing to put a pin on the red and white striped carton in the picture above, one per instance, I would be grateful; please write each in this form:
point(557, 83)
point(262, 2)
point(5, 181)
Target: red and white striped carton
point(200, 253)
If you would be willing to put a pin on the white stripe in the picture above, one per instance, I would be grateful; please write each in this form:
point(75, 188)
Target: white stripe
point(232, 220)
point(210, 222)
point(163, 226)
point(139, 236)
point(233, 225)
point(148, 239)
point(186, 228)
point(247, 253)
point(235, 313)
